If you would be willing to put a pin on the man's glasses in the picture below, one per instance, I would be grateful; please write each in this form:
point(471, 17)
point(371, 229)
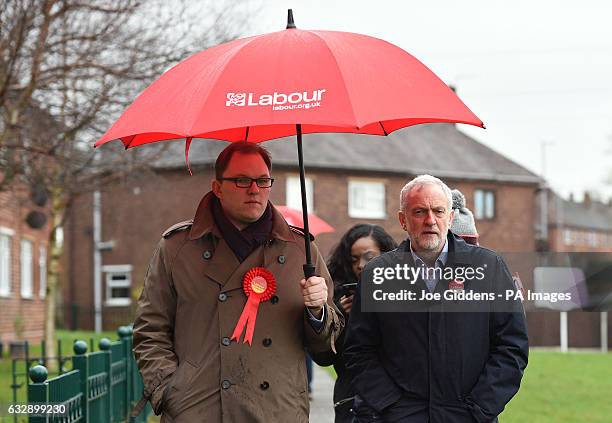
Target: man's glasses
point(245, 182)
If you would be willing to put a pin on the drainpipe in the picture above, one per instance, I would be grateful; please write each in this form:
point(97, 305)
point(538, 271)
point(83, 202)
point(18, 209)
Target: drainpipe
point(99, 247)
point(97, 260)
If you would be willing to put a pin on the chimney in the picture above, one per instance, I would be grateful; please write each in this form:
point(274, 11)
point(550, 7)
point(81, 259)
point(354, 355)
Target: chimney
point(586, 199)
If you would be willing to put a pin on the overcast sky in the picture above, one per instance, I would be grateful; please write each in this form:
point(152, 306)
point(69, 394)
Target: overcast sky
point(533, 71)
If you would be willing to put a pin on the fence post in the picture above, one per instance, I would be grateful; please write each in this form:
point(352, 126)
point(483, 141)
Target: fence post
point(43, 353)
point(125, 333)
point(60, 357)
point(38, 391)
point(81, 363)
point(104, 346)
point(27, 360)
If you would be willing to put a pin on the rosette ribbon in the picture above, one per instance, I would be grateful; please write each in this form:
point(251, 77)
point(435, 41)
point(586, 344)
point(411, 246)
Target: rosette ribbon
point(259, 285)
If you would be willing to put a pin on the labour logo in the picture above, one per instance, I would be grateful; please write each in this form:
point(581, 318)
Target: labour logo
point(235, 99)
point(278, 100)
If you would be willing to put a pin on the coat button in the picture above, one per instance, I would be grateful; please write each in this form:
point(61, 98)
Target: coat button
point(267, 342)
point(206, 255)
point(274, 299)
point(226, 341)
point(226, 384)
point(222, 296)
point(281, 259)
point(264, 385)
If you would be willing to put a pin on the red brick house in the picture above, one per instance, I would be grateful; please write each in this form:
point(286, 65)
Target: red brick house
point(23, 267)
point(577, 227)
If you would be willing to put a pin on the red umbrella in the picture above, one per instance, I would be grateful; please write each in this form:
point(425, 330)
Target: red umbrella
point(294, 217)
point(286, 83)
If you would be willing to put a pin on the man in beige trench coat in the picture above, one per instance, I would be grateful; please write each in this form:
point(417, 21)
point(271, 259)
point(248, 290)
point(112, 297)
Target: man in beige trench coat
point(193, 298)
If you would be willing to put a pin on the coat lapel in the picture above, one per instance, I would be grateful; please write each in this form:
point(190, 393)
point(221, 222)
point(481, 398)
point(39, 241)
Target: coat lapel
point(237, 272)
point(222, 264)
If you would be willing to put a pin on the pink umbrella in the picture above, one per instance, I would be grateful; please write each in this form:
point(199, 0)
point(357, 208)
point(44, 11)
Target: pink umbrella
point(294, 217)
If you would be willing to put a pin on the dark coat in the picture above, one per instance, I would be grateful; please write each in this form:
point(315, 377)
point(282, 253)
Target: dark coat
point(343, 387)
point(191, 302)
point(435, 365)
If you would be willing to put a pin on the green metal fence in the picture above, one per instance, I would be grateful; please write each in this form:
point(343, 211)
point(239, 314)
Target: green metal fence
point(103, 386)
point(20, 366)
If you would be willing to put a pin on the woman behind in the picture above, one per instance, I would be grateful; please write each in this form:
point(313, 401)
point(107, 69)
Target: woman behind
point(356, 248)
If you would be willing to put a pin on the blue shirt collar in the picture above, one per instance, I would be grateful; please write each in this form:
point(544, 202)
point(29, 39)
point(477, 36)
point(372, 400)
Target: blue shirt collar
point(440, 261)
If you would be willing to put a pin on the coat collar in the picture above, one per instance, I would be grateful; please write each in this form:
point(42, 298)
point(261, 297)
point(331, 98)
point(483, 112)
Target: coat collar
point(204, 223)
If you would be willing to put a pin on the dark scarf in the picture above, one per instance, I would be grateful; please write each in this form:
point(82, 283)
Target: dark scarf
point(243, 242)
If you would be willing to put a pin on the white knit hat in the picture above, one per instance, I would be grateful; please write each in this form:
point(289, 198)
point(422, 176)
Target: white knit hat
point(463, 222)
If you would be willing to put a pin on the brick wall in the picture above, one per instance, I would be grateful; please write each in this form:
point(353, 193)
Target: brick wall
point(14, 206)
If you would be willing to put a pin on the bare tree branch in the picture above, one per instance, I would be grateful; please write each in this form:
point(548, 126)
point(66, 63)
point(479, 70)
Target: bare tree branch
point(68, 68)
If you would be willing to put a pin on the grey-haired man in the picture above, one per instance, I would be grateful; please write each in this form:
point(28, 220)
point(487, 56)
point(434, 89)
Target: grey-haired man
point(436, 362)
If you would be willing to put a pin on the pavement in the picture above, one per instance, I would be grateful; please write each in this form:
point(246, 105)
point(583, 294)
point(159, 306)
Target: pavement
point(321, 404)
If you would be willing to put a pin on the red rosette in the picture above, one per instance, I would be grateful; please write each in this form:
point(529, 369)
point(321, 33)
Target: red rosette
point(260, 281)
point(456, 285)
point(259, 285)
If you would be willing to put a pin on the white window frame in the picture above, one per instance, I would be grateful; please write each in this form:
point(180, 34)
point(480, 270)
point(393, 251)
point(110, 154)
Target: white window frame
point(356, 210)
point(27, 268)
point(117, 269)
point(6, 249)
point(567, 237)
point(488, 209)
point(42, 271)
point(293, 193)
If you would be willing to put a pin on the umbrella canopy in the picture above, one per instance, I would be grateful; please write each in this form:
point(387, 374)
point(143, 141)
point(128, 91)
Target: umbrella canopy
point(294, 217)
point(257, 88)
point(289, 83)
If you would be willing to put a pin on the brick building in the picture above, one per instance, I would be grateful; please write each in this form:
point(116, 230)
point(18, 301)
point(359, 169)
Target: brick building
point(23, 267)
point(577, 227)
point(351, 179)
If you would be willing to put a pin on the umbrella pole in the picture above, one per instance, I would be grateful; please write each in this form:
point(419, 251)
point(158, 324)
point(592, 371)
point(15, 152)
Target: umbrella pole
point(309, 269)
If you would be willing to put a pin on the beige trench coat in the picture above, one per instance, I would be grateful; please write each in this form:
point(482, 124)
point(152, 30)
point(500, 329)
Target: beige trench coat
point(189, 307)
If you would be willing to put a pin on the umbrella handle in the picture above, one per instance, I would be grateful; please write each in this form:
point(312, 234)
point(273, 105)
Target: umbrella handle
point(309, 270)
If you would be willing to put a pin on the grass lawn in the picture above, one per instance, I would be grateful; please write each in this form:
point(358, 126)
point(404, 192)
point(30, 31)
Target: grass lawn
point(561, 388)
point(67, 337)
point(564, 388)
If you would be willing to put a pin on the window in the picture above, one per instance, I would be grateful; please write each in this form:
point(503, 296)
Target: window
point(42, 271)
point(294, 193)
point(27, 267)
point(118, 285)
point(567, 237)
point(5, 261)
point(484, 204)
point(366, 199)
